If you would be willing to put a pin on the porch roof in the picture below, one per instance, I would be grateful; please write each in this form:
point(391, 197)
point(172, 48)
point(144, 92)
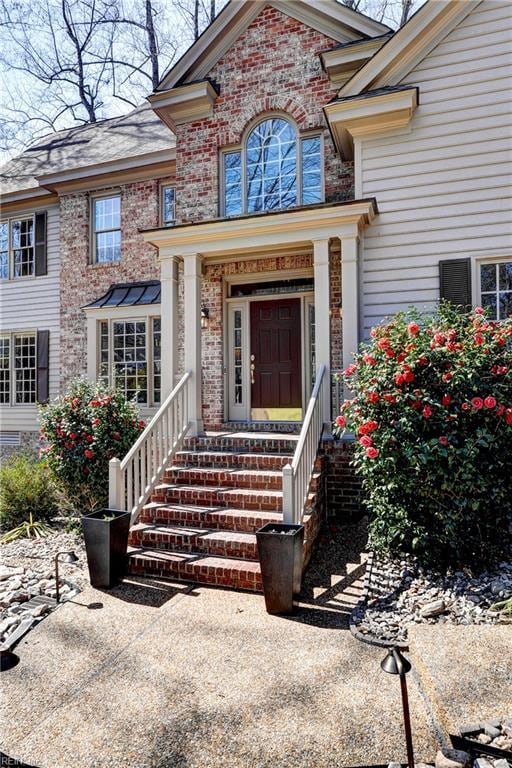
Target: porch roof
point(253, 232)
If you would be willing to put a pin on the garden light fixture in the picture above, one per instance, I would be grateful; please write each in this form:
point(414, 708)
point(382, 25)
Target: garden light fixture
point(395, 663)
point(70, 557)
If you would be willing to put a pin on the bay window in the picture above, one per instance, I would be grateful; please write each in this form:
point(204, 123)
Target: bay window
point(129, 357)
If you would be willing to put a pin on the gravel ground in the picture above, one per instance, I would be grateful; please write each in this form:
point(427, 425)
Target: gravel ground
point(27, 570)
point(402, 594)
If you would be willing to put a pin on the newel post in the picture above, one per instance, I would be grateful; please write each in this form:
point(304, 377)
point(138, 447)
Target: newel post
point(288, 510)
point(115, 481)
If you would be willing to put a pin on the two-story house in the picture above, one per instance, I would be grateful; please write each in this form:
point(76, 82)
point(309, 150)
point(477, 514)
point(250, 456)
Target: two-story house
point(301, 173)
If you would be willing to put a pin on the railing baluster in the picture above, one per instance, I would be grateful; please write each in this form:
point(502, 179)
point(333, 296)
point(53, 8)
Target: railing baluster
point(132, 479)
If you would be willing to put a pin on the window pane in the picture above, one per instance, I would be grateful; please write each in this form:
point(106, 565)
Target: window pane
point(103, 366)
point(108, 247)
point(488, 277)
point(130, 359)
point(311, 170)
point(271, 174)
point(5, 372)
point(232, 184)
point(168, 215)
point(489, 302)
point(505, 305)
point(237, 350)
point(107, 213)
point(4, 250)
point(505, 272)
point(25, 368)
point(157, 356)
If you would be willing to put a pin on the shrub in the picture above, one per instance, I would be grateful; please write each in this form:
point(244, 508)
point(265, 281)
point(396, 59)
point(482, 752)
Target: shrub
point(83, 430)
point(26, 488)
point(432, 414)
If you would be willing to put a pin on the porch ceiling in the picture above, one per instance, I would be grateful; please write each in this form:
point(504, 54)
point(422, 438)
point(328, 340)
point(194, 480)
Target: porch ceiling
point(298, 227)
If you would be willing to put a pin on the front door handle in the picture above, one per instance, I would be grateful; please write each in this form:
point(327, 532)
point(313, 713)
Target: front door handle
point(253, 368)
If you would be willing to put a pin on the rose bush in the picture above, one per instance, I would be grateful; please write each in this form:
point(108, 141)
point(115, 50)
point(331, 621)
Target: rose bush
point(81, 432)
point(432, 416)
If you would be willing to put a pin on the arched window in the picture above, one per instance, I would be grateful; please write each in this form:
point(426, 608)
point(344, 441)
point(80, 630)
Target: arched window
point(274, 170)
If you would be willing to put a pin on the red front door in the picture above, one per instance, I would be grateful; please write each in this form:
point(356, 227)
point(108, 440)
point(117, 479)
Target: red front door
point(276, 380)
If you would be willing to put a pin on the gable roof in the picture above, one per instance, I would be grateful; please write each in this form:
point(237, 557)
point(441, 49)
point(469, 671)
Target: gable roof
point(330, 17)
point(409, 45)
point(132, 139)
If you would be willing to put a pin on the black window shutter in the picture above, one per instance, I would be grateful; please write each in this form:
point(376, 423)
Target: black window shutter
point(40, 242)
point(43, 366)
point(455, 282)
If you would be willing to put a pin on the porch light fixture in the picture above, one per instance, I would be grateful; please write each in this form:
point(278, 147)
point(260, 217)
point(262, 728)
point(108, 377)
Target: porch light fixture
point(70, 557)
point(205, 317)
point(395, 663)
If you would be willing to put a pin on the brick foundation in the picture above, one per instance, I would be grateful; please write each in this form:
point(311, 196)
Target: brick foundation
point(342, 486)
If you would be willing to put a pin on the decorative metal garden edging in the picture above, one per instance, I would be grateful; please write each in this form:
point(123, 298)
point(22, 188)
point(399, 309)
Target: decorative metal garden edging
point(366, 637)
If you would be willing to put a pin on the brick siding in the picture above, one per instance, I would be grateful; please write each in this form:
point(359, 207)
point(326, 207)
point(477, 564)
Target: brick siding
point(273, 66)
point(82, 282)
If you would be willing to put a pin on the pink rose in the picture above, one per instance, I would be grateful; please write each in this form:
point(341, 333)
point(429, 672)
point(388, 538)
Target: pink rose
point(490, 402)
point(477, 403)
point(372, 453)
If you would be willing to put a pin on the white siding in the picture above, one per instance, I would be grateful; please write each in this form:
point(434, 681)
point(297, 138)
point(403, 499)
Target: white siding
point(34, 304)
point(444, 187)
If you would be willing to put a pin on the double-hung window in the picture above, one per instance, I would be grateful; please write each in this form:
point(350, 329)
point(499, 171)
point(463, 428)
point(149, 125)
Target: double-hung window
point(275, 169)
point(496, 288)
point(129, 357)
point(18, 368)
point(106, 229)
point(17, 248)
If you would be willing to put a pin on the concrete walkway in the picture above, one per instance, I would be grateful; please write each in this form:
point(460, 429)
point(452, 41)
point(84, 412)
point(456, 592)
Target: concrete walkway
point(170, 676)
point(198, 678)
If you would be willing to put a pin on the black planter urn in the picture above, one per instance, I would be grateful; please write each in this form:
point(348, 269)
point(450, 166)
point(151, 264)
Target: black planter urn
point(106, 542)
point(280, 549)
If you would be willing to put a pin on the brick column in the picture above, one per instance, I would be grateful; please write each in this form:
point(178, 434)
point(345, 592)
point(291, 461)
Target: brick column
point(322, 319)
point(192, 274)
point(169, 320)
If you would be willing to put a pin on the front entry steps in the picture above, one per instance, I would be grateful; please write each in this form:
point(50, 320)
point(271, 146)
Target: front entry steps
point(200, 524)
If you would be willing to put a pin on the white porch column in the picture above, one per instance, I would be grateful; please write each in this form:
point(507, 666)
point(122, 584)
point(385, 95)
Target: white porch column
point(192, 265)
point(169, 321)
point(350, 292)
point(322, 318)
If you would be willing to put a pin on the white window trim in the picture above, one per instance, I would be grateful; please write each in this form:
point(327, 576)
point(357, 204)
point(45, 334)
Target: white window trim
point(95, 315)
point(92, 229)
point(163, 186)
point(10, 273)
point(12, 378)
point(477, 263)
point(241, 147)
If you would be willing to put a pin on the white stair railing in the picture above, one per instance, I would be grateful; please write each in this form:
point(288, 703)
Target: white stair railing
point(297, 475)
point(132, 479)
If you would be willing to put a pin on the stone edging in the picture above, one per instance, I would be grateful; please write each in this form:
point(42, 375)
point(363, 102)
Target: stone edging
point(368, 638)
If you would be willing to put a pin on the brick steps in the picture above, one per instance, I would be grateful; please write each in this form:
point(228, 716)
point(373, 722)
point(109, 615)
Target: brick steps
point(224, 518)
point(220, 476)
point(232, 459)
point(201, 521)
point(195, 567)
point(216, 541)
